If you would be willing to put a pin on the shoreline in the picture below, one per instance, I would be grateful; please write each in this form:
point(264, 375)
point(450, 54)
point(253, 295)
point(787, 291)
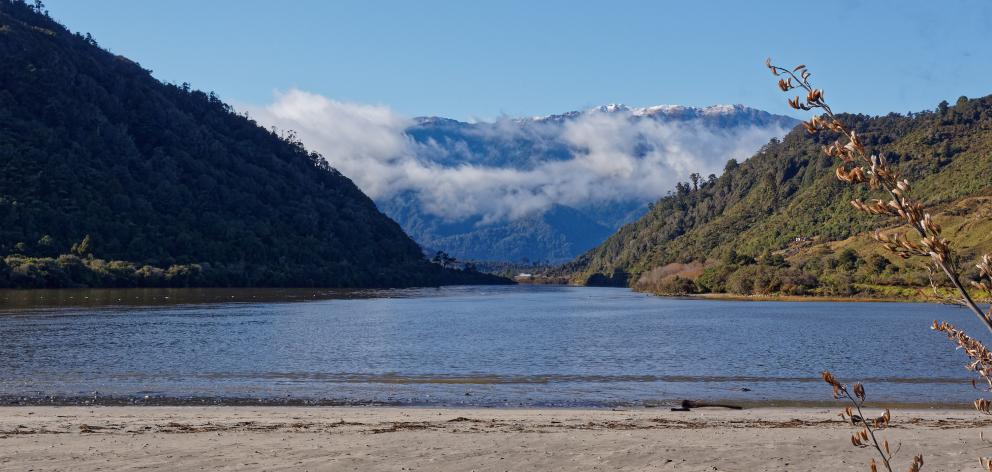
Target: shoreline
point(138, 401)
point(445, 439)
point(726, 296)
point(18, 300)
point(801, 298)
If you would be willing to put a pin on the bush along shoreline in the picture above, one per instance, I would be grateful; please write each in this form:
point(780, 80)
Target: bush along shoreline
point(80, 269)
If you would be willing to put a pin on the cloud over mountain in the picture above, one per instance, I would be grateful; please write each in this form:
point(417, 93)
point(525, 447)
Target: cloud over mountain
point(605, 154)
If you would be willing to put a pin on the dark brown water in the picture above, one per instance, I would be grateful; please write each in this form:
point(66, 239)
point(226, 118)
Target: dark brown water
point(489, 346)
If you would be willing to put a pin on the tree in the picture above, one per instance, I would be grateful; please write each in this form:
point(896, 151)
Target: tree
point(695, 178)
point(46, 246)
point(46, 241)
point(848, 259)
point(730, 257)
point(82, 249)
point(774, 260)
point(442, 259)
point(878, 263)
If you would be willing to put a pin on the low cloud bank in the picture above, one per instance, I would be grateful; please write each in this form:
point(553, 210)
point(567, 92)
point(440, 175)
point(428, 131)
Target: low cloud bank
point(614, 156)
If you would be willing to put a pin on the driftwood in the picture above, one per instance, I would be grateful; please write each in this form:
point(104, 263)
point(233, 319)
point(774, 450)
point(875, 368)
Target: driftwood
point(689, 404)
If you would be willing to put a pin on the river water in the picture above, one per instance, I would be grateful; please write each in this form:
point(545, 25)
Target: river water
point(466, 346)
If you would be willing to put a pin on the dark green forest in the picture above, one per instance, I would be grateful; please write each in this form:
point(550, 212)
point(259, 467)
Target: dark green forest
point(780, 222)
point(109, 177)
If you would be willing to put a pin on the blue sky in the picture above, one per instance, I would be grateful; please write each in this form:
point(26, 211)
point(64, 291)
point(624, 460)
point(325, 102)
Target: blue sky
point(467, 59)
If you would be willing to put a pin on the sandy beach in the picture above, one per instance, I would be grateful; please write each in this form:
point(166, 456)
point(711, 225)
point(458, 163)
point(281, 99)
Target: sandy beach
point(398, 439)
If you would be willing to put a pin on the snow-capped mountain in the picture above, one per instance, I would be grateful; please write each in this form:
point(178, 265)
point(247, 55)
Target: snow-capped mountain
point(724, 114)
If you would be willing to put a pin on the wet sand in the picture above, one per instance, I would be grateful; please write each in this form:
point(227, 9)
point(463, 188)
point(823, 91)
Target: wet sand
point(396, 439)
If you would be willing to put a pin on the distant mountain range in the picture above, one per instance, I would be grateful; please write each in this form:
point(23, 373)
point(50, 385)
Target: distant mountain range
point(667, 142)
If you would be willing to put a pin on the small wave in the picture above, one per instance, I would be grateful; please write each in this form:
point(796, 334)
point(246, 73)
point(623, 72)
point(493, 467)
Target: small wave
point(485, 379)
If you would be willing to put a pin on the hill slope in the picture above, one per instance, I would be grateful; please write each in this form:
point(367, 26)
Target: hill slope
point(782, 217)
point(159, 174)
point(555, 235)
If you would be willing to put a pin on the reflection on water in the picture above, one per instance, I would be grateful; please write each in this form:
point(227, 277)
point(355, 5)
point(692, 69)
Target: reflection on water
point(518, 345)
point(11, 300)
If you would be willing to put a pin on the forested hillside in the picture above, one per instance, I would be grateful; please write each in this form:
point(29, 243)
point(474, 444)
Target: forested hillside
point(780, 222)
point(110, 177)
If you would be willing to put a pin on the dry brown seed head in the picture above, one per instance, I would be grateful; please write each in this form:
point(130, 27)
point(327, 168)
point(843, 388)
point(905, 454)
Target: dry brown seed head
point(917, 463)
point(858, 174)
point(856, 142)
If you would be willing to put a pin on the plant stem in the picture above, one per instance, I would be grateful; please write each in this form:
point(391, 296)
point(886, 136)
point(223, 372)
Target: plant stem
point(871, 432)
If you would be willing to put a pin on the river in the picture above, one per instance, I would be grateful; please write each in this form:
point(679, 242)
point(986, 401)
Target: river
point(465, 346)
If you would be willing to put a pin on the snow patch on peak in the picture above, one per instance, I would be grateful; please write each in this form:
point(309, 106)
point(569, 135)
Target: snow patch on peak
point(612, 108)
point(723, 109)
point(659, 109)
point(680, 112)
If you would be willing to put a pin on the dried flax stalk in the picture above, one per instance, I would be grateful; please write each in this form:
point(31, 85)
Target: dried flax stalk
point(858, 166)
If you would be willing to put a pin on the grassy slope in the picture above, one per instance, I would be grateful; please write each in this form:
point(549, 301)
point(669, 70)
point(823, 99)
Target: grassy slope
point(967, 222)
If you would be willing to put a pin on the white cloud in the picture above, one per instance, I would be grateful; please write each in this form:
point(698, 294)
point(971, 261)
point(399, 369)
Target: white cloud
point(614, 157)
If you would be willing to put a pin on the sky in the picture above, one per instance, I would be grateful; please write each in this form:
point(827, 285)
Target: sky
point(483, 60)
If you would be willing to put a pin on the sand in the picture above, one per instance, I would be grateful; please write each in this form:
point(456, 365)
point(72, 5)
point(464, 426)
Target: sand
point(82, 439)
